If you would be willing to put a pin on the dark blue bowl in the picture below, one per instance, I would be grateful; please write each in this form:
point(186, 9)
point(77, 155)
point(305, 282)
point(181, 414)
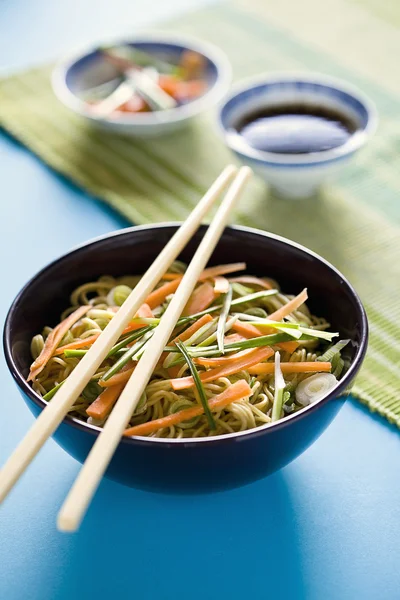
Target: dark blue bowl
point(203, 464)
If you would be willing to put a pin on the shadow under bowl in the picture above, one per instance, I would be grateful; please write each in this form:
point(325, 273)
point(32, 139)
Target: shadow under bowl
point(204, 464)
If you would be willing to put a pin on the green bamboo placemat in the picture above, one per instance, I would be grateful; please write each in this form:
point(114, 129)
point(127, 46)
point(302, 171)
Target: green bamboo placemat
point(355, 224)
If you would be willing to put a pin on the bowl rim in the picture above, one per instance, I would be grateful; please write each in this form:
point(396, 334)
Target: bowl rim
point(339, 390)
point(355, 142)
point(174, 115)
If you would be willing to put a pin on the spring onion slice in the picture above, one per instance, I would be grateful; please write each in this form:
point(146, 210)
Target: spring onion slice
point(75, 353)
point(149, 90)
point(126, 357)
point(171, 360)
point(241, 290)
point(298, 328)
point(142, 404)
point(200, 333)
point(335, 349)
point(140, 57)
point(199, 386)
point(264, 340)
point(115, 349)
point(143, 343)
point(223, 318)
point(292, 329)
point(127, 340)
point(337, 371)
point(211, 338)
point(91, 391)
point(279, 385)
point(314, 388)
point(317, 333)
point(182, 404)
point(255, 313)
point(234, 302)
point(52, 392)
point(80, 353)
point(174, 360)
point(253, 320)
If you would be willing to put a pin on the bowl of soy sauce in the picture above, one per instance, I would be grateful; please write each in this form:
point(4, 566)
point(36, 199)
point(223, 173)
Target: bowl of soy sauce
point(296, 130)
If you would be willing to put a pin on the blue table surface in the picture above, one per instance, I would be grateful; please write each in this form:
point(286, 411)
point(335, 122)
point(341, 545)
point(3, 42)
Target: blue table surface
point(326, 526)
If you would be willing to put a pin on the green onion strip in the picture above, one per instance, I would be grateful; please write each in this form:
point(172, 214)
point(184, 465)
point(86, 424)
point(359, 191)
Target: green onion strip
point(222, 320)
point(198, 383)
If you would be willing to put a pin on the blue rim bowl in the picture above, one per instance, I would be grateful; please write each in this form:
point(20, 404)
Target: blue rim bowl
point(201, 464)
point(88, 68)
point(284, 88)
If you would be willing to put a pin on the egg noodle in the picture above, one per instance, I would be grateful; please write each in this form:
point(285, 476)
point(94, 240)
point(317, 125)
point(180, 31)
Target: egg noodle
point(302, 338)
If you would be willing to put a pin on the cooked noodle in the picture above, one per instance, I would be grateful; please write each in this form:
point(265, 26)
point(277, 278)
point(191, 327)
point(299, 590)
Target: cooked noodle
point(160, 399)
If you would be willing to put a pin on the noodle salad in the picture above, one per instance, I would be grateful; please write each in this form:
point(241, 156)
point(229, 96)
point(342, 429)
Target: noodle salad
point(243, 354)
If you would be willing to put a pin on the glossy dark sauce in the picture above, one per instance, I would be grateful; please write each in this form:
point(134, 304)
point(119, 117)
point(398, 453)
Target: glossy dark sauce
point(295, 129)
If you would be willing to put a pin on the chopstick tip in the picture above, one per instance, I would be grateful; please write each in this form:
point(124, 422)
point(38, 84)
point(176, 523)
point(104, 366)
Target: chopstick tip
point(66, 524)
point(246, 171)
point(230, 170)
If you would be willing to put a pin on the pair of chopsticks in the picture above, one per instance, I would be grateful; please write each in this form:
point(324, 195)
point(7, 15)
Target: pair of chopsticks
point(85, 486)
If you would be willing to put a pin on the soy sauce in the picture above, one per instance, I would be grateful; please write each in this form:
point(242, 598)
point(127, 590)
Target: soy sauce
point(296, 129)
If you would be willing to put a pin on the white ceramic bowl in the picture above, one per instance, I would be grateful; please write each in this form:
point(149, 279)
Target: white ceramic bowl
point(88, 68)
point(296, 175)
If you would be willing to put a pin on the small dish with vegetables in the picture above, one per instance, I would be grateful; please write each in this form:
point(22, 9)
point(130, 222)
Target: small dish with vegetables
point(146, 86)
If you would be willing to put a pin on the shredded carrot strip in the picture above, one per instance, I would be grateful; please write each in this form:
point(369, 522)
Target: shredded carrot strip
point(251, 331)
point(145, 312)
point(174, 371)
point(185, 335)
point(118, 378)
point(158, 296)
point(291, 367)
point(250, 280)
point(246, 329)
point(288, 308)
point(179, 90)
point(77, 344)
point(200, 299)
point(289, 346)
point(134, 326)
point(53, 339)
point(221, 285)
point(210, 272)
point(257, 355)
point(221, 361)
point(227, 360)
point(103, 404)
point(238, 390)
point(232, 338)
point(172, 276)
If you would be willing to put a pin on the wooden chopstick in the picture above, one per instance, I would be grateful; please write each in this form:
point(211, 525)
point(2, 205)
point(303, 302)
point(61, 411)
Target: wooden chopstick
point(49, 419)
point(85, 485)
